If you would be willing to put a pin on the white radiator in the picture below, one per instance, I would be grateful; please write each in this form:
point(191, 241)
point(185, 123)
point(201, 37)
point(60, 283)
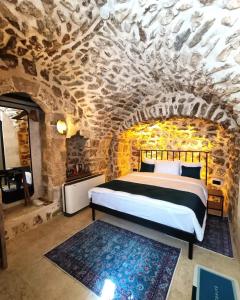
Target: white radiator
point(75, 193)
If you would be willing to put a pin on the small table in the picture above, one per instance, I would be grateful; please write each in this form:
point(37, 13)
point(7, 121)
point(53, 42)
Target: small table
point(215, 200)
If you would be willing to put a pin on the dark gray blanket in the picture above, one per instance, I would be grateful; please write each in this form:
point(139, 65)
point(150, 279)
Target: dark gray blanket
point(183, 198)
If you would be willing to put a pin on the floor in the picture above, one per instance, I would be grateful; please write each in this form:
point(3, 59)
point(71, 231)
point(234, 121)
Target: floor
point(31, 276)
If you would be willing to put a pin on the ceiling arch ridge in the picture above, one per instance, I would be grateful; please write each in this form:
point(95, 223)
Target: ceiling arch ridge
point(182, 105)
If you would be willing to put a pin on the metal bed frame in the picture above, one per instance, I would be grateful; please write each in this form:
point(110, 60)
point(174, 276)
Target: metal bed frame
point(183, 155)
point(183, 235)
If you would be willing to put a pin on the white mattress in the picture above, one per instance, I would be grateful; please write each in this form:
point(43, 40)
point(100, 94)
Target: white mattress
point(176, 216)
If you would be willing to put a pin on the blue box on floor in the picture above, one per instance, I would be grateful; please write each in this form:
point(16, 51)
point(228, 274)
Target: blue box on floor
point(210, 285)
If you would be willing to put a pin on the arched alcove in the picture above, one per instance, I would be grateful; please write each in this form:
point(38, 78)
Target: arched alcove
point(182, 104)
point(53, 144)
point(183, 133)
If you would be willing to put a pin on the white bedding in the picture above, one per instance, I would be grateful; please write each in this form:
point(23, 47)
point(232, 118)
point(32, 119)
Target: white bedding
point(163, 212)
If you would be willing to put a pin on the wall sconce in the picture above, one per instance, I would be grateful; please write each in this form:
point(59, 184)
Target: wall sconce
point(61, 127)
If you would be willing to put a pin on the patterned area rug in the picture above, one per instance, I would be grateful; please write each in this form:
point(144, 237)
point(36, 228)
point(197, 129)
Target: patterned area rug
point(116, 263)
point(217, 236)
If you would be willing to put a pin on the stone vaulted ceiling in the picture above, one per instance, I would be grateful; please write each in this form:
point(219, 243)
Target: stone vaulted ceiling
point(103, 60)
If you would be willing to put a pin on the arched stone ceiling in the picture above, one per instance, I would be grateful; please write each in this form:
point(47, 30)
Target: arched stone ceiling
point(104, 60)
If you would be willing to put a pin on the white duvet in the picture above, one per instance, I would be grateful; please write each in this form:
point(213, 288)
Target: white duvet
point(163, 212)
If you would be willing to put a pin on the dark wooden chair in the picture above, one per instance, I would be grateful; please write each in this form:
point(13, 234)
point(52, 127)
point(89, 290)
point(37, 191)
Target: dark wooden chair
point(17, 187)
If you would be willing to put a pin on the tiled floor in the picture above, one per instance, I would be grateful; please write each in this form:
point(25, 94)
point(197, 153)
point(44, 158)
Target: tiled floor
point(31, 276)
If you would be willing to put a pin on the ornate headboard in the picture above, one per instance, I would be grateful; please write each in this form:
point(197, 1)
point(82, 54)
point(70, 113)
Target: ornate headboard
point(183, 155)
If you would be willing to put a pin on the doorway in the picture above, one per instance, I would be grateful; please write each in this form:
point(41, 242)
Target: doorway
point(16, 178)
point(24, 202)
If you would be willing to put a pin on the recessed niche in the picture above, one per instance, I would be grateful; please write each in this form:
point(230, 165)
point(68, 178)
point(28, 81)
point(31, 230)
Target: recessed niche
point(182, 134)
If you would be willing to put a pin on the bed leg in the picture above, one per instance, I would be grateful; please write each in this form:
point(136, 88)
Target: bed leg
point(190, 250)
point(93, 214)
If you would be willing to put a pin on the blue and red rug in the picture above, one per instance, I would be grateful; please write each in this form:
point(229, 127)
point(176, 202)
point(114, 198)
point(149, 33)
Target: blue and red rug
point(116, 263)
point(217, 236)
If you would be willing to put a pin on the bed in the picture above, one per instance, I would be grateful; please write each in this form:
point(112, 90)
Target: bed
point(173, 204)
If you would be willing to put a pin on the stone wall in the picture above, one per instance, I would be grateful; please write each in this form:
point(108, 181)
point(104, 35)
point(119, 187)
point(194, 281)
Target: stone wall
point(87, 155)
point(233, 186)
point(23, 143)
point(76, 162)
point(53, 157)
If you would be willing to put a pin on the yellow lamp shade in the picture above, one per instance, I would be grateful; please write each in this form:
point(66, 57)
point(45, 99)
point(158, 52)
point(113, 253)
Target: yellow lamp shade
point(61, 126)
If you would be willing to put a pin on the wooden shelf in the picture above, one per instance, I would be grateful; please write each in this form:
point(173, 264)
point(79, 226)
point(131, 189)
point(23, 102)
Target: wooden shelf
point(215, 192)
point(216, 205)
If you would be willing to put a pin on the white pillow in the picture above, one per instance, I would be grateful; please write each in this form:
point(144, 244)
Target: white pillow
point(149, 161)
point(167, 167)
point(190, 165)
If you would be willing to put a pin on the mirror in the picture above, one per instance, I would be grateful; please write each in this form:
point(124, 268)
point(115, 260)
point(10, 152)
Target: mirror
point(14, 141)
